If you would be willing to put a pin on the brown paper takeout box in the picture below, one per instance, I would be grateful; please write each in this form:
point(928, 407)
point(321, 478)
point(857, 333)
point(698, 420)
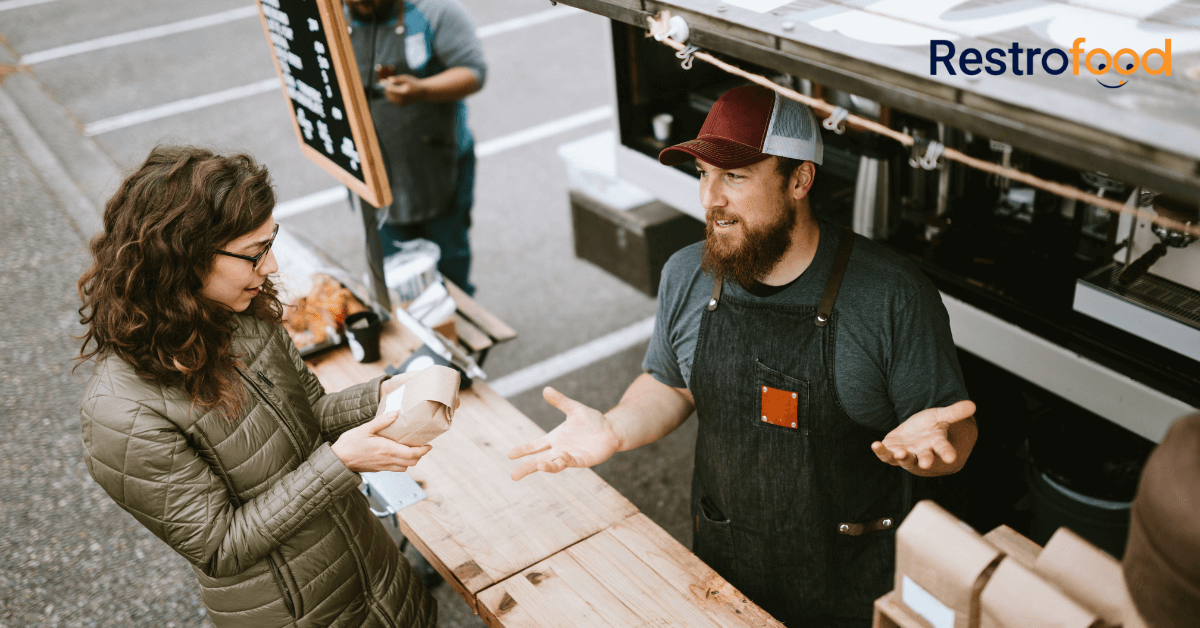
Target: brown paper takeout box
point(427, 407)
point(941, 567)
point(1089, 576)
point(1015, 597)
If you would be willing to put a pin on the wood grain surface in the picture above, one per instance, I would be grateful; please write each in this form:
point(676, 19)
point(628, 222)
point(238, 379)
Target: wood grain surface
point(482, 526)
point(478, 526)
point(632, 574)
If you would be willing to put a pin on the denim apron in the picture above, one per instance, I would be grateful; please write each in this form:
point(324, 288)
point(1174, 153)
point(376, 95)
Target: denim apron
point(789, 503)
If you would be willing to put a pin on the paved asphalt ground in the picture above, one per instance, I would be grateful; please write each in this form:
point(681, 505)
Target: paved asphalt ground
point(68, 555)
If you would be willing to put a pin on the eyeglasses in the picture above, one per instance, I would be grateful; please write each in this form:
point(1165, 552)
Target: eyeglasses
point(255, 259)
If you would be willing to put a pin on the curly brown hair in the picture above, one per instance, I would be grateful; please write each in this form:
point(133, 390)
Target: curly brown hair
point(141, 298)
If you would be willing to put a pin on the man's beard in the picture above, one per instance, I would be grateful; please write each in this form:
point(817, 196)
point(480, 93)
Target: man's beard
point(760, 250)
point(379, 11)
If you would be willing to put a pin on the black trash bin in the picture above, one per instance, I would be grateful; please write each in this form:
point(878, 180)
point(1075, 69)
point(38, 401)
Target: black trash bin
point(1083, 474)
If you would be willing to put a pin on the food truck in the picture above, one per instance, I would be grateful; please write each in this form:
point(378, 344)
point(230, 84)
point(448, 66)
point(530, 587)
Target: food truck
point(1068, 267)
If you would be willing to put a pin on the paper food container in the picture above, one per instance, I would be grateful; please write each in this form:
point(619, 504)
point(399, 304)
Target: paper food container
point(426, 404)
point(1016, 597)
point(942, 564)
point(1090, 576)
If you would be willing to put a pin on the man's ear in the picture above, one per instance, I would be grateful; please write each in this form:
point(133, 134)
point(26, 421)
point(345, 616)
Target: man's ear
point(802, 180)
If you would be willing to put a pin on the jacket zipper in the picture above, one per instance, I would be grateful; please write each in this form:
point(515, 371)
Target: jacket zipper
point(287, 595)
point(278, 575)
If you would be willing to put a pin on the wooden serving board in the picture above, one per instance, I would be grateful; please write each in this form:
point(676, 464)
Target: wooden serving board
point(632, 574)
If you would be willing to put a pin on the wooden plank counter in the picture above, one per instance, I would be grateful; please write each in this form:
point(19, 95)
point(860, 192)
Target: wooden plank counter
point(632, 574)
point(551, 550)
point(480, 525)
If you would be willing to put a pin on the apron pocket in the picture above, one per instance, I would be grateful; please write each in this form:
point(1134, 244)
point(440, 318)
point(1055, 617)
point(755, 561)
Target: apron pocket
point(782, 401)
point(713, 540)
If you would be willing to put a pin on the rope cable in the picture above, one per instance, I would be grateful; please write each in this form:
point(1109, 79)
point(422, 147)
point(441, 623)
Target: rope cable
point(860, 123)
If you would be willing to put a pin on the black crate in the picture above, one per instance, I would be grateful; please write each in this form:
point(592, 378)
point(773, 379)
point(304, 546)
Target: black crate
point(632, 244)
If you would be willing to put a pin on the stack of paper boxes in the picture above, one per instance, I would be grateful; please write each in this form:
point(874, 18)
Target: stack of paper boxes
point(948, 576)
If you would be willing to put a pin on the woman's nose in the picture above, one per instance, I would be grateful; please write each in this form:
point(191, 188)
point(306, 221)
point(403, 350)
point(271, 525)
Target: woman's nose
point(269, 265)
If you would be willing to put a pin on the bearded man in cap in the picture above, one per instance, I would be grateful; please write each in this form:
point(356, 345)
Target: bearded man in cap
point(820, 365)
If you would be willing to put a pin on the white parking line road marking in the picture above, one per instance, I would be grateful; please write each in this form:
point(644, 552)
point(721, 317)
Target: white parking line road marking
point(542, 131)
point(572, 360)
point(199, 102)
point(311, 201)
point(525, 21)
point(485, 149)
point(179, 106)
point(140, 35)
point(17, 4)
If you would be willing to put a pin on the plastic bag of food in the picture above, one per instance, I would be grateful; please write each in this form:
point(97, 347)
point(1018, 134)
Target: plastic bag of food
point(411, 270)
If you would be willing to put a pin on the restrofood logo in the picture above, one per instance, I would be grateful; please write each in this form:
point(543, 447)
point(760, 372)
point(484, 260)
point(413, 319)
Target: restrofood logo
point(1022, 61)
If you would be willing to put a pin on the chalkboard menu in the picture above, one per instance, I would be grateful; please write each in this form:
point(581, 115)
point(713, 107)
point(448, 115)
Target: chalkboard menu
point(311, 48)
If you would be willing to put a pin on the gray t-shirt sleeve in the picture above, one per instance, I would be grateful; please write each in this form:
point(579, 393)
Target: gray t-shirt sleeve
point(662, 362)
point(922, 369)
point(455, 43)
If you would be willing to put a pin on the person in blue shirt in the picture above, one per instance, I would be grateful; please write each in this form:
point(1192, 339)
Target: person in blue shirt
point(418, 60)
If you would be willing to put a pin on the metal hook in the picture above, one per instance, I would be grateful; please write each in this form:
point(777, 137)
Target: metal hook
point(688, 55)
point(835, 119)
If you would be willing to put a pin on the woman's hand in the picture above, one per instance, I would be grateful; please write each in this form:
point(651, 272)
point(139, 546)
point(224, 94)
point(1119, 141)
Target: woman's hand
point(363, 449)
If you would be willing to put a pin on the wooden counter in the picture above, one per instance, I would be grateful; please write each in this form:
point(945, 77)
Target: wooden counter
point(631, 574)
point(551, 550)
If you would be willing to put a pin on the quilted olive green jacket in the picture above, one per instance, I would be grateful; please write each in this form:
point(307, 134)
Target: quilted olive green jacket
point(271, 520)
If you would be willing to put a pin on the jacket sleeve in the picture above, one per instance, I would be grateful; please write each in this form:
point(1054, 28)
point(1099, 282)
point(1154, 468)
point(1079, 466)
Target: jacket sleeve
point(339, 411)
point(146, 464)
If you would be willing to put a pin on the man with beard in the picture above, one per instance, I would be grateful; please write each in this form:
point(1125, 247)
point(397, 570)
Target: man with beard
point(820, 365)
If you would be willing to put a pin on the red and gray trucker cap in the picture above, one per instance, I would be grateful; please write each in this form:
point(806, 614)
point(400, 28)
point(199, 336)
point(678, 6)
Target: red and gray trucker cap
point(747, 125)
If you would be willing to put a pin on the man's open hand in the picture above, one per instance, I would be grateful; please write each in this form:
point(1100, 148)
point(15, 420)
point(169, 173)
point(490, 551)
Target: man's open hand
point(931, 442)
point(585, 439)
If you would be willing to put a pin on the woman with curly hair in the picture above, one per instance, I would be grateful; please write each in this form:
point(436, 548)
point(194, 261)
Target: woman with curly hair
point(202, 421)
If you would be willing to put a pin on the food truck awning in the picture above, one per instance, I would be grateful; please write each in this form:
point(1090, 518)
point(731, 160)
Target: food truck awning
point(1145, 131)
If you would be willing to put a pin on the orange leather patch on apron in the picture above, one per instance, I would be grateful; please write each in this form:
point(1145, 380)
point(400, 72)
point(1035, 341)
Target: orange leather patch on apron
point(778, 407)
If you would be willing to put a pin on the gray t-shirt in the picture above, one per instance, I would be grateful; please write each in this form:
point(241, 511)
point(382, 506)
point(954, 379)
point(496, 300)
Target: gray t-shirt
point(895, 355)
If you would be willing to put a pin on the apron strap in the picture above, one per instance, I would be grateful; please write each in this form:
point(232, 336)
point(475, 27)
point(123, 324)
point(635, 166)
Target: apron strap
point(840, 261)
point(716, 295)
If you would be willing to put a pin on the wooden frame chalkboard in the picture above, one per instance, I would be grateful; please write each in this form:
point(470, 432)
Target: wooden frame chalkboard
point(310, 46)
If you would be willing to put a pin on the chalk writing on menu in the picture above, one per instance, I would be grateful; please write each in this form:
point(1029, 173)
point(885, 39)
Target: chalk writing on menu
point(302, 50)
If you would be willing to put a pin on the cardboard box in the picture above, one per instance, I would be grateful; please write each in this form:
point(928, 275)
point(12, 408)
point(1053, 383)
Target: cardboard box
point(942, 566)
point(632, 244)
point(1016, 597)
point(1090, 576)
